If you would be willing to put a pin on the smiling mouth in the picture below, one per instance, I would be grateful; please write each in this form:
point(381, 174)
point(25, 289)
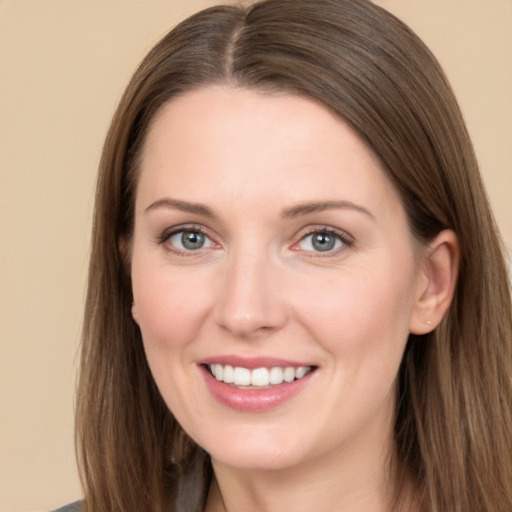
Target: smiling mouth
point(257, 378)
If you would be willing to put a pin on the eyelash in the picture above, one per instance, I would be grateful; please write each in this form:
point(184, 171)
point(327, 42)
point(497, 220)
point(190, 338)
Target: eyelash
point(346, 242)
point(345, 239)
point(168, 234)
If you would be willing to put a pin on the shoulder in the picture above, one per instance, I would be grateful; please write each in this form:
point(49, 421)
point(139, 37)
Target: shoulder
point(72, 507)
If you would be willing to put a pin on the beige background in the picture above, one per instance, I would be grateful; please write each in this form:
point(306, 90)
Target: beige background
point(63, 66)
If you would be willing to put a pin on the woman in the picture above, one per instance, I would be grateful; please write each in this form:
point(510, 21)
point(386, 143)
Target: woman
point(297, 293)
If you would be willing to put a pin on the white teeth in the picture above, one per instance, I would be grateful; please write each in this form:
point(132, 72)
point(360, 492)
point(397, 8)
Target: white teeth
point(301, 371)
point(276, 375)
point(242, 376)
point(259, 377)
point(229, 374)
point(289, 374)
point(218, 371)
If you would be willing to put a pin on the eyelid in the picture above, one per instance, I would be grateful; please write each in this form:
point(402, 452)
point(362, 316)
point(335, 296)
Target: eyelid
point(346, 239)
point(165, 236)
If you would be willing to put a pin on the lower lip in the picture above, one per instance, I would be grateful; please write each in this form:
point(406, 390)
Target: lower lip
point(253, 400)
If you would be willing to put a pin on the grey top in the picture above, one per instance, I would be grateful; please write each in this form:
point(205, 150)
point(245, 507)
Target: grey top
point(192, 489)
point(72, 507)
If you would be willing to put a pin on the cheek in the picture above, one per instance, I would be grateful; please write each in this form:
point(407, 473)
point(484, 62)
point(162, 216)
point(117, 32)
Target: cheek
point(170, 310)
point(170, 306)
point(361, 316)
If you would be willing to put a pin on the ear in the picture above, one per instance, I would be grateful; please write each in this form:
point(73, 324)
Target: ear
point(437, 281)
point(124, 247)
point(134, 313)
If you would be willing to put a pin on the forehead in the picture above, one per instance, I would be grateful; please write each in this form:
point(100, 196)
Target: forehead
point(224, 141)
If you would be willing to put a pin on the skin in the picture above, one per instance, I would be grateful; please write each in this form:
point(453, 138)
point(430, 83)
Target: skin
point(258, 287)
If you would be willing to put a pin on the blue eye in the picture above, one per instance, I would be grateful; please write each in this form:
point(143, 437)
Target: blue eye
point(322, 241)
point(189, 240)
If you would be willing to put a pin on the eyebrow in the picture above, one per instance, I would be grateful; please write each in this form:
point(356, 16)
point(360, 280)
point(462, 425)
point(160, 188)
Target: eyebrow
point(288, 213)
point(184, 206)
point(313, 207)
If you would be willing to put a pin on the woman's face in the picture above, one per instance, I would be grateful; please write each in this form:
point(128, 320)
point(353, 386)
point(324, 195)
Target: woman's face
point(270, 249)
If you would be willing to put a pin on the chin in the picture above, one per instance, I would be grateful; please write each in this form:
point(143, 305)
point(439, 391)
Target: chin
point(259, 451)
point(251, 460)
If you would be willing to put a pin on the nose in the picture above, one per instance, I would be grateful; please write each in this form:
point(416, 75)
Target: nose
point(250, 304)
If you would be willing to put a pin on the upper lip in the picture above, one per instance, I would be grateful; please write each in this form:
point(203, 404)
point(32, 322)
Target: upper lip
point(252, 362)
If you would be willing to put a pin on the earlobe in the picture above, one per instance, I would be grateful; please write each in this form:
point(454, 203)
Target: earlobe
point(134, 312)
point(437, 282)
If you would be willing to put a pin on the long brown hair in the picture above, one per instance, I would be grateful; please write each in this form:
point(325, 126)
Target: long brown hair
point(453, 431)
